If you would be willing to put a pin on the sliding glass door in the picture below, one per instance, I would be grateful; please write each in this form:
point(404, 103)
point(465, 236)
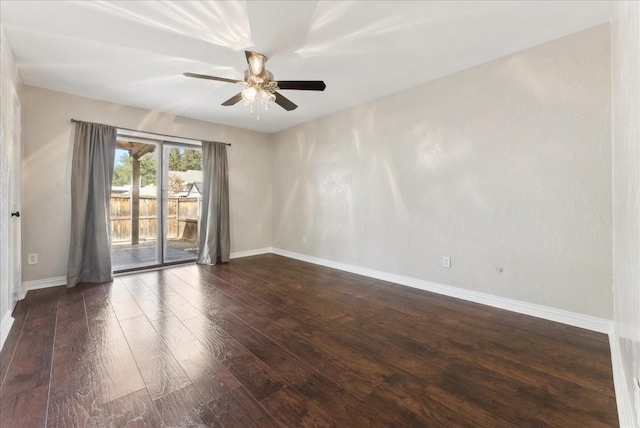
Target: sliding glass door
point(183, 175)
point(155, 203)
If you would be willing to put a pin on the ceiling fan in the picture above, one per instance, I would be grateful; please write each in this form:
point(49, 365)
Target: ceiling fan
point(261, 86)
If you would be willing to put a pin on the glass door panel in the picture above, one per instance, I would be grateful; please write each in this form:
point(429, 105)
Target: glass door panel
point(135, 212)
point(182, 199)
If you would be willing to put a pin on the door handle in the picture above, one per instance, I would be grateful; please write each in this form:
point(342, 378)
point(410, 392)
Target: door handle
point(15, 214)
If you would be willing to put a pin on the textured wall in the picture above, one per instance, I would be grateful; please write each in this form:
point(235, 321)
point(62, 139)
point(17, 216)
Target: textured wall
point(506, 164)
point(47, 142)
point(625, 87)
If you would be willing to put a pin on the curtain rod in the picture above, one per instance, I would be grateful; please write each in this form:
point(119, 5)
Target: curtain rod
point(153, 133)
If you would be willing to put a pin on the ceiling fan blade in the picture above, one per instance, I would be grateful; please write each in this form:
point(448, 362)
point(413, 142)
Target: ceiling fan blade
point(302, 85)
point(285, 103)
point(233, 100)
point(204, 76)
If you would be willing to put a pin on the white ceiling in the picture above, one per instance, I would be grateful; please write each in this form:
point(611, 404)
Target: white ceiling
point(135, 52)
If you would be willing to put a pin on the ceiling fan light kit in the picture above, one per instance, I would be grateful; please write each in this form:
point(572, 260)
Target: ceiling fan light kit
point(261, 87)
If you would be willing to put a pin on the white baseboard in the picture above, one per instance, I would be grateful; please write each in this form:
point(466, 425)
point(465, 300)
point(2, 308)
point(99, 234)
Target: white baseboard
point(552, 314)
point(571, 318)
point(624, 397)
point(62, 280)
point(249, 253)
point(5, 326)
point(42, 283)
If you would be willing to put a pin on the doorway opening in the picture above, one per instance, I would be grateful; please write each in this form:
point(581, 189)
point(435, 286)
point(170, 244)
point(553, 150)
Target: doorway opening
point(155, 203)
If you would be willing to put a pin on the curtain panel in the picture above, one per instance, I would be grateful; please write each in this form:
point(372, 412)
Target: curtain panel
point(213, 228)
point(91, 176)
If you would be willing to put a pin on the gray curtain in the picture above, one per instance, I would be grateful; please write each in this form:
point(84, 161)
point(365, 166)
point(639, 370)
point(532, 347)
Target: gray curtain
point(91, 175)
point(213, 229)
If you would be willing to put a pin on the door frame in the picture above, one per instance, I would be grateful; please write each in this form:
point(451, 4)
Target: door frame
point(10, 184)
point(161, 142)
point(15, 199)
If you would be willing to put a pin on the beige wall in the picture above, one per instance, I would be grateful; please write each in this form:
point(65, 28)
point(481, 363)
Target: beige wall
point(625, 84)
point(9, 79)
point(507, 164)
point(47, 142)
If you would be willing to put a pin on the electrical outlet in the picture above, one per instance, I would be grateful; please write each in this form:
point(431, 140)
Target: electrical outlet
point(446, 262)
point(32, 259)
point(304, 239)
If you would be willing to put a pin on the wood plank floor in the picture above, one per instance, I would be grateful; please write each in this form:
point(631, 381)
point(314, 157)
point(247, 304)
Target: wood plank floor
point(269, 341)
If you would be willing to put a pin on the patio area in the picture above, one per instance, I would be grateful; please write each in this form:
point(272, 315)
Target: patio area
point(127, 256)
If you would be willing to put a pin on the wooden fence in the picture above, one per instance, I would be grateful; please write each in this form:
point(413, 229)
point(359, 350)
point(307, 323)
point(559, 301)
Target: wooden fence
point(182, 218)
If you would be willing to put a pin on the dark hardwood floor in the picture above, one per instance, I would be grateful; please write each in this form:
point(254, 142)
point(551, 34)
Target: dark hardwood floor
point(269, 341)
